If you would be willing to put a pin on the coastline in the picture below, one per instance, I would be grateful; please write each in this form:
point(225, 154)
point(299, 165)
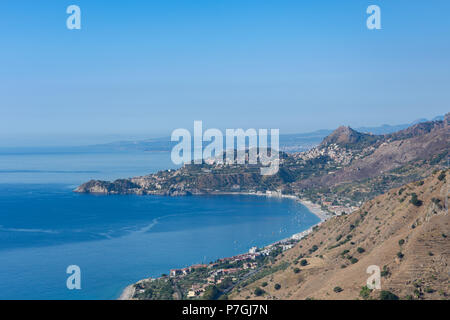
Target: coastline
point(129, 291)
point(314, 208)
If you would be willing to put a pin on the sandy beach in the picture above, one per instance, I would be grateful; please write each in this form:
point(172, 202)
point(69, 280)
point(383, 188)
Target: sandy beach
point(314, 208)
point(127, 293)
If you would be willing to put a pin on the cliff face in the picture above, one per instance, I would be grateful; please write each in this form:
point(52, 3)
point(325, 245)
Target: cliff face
point(120, 186)
point(407, 239)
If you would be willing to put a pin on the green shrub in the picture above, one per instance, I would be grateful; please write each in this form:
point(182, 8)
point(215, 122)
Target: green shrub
point(387, 295)
point(264, 284)
point(415, 201)
point(303, 262)
point(360, 250)
point(429, 290)
point(365, 292)
point(441, 176)
point(296, 270)
point(353, 260)
point(417, 293)
point(277, 286)
point(400, 255)
point(211, 293)
point(338, 289)
point(313, 249)
point(385, 272)
point(401, 242)
point(259, 292)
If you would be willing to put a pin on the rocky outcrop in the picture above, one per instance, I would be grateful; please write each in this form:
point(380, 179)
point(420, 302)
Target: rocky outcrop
point(121, 186)
point(347, 137)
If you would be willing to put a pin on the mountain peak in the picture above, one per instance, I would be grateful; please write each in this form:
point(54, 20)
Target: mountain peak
point(344, 135)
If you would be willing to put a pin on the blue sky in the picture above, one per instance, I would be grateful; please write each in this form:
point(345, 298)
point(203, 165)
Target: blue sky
point(143, 68)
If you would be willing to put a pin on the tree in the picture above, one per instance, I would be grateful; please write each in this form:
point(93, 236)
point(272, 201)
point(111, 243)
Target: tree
point(338, 289)
point(227, 282)
point(365, 292)
point(303, 262)
point(415, 201)
point(277, 286)
point(211, 293)
point(259, 292)
point(313, 249)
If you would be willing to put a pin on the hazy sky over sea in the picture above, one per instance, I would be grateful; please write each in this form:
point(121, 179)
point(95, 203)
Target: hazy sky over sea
point(144, 68)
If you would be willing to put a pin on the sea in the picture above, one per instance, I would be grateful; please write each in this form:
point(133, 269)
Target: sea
point(117, 240)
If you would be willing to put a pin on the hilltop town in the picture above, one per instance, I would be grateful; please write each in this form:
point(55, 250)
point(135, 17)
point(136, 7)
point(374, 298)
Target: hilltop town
point(345, 170)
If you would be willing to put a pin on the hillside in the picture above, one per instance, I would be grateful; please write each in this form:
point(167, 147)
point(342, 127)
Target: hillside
point(406, 236)
point(381, 154)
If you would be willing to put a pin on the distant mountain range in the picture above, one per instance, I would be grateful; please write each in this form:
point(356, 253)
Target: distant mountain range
point(295, 142)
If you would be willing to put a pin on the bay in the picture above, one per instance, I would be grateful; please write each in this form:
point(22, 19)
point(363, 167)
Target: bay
point(117, 240)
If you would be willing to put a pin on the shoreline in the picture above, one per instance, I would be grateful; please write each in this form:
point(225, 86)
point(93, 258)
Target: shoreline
point(314, 208)
point(128, 292)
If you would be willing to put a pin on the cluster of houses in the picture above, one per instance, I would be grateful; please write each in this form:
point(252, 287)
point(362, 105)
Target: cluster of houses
point(223, 268)
point(217, 275)
point(196, 290)
point(185, 271)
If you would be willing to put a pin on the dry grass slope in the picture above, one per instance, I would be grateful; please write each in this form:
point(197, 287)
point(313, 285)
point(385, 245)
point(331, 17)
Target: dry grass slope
point(409, 242)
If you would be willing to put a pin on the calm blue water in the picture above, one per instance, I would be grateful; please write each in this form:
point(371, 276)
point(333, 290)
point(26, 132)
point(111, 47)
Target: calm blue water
point(117, 240)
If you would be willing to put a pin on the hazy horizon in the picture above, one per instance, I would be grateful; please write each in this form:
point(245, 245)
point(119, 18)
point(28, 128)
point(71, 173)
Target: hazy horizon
point(89, 140)
point(141, 70)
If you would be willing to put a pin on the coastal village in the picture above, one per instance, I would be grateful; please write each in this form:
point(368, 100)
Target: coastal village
point(215, 279)
point(206, 281)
